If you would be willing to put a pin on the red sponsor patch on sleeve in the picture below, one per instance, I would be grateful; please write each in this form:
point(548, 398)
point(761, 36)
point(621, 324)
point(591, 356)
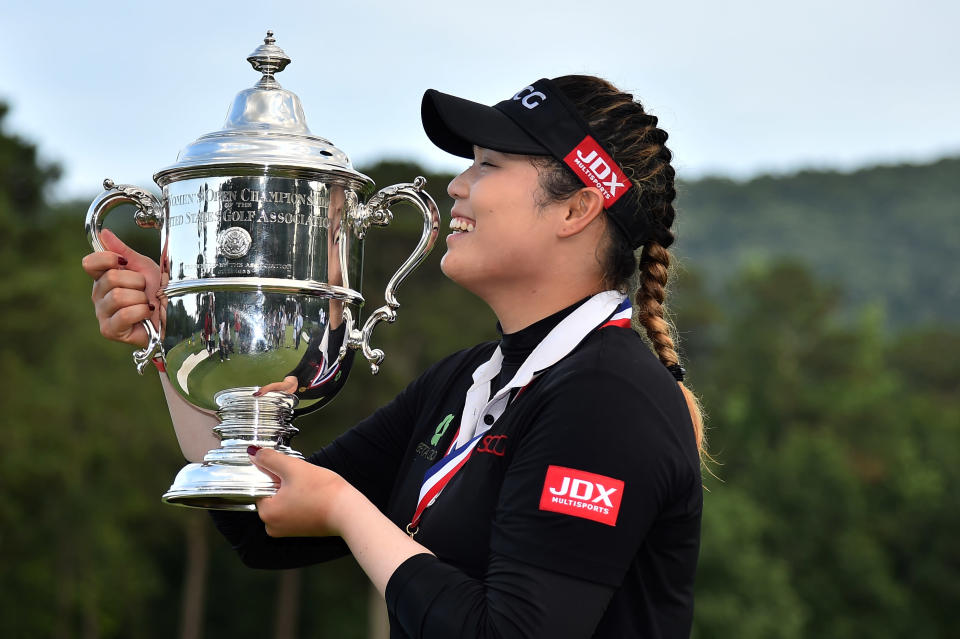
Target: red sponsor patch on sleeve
point(575, 492)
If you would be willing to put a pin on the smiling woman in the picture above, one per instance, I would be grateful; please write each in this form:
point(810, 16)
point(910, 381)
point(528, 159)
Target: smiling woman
point(519, 249)
point(546, 484)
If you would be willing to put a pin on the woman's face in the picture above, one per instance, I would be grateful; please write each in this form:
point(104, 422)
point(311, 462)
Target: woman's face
point(500, 235)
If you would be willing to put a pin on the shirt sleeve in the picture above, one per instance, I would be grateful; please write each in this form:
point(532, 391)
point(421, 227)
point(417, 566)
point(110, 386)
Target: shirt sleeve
point(602, 460)
point(256, 549)
point(431, 599)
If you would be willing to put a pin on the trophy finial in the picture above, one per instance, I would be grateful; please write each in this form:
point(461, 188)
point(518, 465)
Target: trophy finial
point(268, 59)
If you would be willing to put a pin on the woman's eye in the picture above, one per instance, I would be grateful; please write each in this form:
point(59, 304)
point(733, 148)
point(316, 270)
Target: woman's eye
point(487, 164)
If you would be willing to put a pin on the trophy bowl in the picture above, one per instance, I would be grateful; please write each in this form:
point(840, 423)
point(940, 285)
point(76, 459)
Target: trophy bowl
point(261, 253)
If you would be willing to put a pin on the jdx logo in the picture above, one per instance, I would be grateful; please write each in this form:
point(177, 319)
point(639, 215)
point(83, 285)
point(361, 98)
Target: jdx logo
point(591, 162)
point(601, 170)
point(530, 99)
point(583, 490)
point(581, 494)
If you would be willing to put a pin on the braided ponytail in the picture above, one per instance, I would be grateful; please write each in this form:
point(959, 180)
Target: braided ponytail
point(638, 146)
point(651, 314)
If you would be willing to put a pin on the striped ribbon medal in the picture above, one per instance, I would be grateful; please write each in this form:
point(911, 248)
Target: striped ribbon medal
point(621, 317)
point(437, 477)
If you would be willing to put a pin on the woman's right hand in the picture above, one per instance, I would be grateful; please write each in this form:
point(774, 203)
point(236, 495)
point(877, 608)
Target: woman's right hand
point(288, 385)
point(124, 290)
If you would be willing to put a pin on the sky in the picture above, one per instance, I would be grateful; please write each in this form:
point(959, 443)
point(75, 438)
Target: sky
point(743, 87)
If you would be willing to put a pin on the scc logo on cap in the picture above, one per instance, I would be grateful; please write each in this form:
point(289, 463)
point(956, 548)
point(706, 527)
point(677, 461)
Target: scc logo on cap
point(530, 97)
point(595, 168)
point(575, 492)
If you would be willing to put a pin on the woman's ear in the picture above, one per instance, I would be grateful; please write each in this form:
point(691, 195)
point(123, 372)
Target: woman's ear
point(582, 209)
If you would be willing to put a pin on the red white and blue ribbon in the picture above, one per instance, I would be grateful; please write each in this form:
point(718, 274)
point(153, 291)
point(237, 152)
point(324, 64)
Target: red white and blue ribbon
point(622, 317)
point(437, 477)
point(609, 308)
point(323, 376)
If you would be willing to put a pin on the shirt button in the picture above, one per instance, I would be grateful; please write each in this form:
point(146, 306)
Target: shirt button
point(489, 419)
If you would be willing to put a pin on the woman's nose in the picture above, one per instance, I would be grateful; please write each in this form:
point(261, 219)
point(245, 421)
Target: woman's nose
point(458, 188)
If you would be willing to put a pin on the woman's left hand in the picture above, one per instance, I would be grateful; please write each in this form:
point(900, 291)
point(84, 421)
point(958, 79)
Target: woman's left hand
point(312, 501)
point(307, 497)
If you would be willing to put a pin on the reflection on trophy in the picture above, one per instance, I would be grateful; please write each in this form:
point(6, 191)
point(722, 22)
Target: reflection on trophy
point(261, 229)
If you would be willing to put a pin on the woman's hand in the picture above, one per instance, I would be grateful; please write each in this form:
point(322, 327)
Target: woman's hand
point(308, 500)
point(312, 500)
point(124, 290)
point(288, 385)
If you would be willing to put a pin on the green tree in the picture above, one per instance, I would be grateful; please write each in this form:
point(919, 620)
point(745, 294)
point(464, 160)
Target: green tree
point(886, 234)
point(81, 464)
point(743, 589)
point(843, 440)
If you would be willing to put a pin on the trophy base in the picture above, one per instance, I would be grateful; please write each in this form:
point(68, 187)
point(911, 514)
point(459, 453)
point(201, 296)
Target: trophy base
point(226, 480)
point(219, 486)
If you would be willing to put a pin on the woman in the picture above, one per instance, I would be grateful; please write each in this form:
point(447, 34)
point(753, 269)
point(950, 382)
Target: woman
point(546, 485)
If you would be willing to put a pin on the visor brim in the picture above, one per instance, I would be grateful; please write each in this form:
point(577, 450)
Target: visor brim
point(456, 125)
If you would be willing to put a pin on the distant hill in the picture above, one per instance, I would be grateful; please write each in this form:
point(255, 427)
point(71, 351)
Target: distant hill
point(887, 234)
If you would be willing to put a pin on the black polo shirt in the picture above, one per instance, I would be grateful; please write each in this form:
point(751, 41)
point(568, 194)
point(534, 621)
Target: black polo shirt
point(590, 476)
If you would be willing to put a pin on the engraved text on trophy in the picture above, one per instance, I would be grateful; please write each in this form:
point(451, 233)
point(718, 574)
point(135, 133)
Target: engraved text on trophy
point(232, 227)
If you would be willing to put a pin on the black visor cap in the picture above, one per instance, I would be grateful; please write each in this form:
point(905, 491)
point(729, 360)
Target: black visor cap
point(456, 125)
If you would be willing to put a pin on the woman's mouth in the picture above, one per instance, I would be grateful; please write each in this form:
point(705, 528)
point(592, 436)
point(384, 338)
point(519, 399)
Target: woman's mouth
point(461, 225)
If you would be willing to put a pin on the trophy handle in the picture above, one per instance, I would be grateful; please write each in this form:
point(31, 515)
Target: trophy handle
point(377, 212)
point(149, 215)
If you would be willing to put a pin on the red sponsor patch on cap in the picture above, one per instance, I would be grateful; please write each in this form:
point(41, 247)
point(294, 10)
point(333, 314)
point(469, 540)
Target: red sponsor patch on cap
point(575, 492)
point(595, 168)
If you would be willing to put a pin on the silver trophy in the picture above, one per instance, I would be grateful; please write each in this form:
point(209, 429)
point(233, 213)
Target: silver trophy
point(261, 232)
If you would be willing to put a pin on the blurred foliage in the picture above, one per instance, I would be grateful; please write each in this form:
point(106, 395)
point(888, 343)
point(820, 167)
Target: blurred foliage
point(839, 467)
point(836, 510)
point(884, 234)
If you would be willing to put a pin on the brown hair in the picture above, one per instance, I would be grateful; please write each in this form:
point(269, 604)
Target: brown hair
point(632, 138)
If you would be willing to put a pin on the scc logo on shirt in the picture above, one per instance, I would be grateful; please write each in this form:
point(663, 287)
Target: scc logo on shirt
point(575, 492)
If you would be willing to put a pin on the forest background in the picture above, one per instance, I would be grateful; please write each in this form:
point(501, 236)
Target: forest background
point(818, 321)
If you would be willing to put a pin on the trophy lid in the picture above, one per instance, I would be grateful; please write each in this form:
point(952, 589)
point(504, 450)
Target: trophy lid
point(265, 128)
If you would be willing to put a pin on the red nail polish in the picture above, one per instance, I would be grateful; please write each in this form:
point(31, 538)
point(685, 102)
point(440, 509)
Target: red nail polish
point(252, 450)
point(151, 307)
point(122, 261)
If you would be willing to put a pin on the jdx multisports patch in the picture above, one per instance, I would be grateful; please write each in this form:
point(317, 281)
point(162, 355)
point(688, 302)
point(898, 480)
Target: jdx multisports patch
point(582, 494)
point(595, 168)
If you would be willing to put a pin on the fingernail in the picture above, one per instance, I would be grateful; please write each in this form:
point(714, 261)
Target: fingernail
point(122, 261)
point(257, 393)
point(151, 307)
point(252, 450)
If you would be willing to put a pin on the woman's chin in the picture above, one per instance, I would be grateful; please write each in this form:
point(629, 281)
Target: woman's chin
point(457, 269)
point(448, 265)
